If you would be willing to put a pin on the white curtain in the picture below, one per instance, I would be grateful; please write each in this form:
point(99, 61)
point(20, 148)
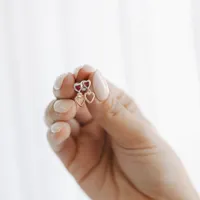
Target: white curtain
point(149, 48)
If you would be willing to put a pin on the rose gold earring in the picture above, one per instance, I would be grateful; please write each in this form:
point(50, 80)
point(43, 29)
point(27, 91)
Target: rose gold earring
point(89, 95)
point(79, 99)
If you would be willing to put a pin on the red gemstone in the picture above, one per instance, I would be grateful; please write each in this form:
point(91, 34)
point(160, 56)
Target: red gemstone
point(87, 84)
point(78, 87)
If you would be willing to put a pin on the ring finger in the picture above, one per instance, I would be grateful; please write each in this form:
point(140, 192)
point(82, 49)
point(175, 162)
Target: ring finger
point(60, 110)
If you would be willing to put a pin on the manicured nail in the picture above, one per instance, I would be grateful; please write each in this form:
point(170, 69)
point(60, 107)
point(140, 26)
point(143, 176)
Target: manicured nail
point(76, 71)
point(57, 127)
point(62, 106)
point(88, 68)
point(100, 86)
point(60, 131)
point(59, 81)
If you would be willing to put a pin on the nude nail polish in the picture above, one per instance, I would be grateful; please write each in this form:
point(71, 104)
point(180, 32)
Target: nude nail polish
point(76, 71)
point(57, 127)
point(59, 81)
point(62, 106)
point(86, 68)
point(100, 86)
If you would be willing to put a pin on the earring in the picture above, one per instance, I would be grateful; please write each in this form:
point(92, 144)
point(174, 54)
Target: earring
point(89, 95)
point(79, 99)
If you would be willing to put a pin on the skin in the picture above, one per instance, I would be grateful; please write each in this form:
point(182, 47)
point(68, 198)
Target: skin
point(112, 150)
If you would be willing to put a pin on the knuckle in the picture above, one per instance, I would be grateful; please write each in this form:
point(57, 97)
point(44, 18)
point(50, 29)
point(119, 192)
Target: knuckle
point(131, 106)
point(127, 101)
point(112, 107)
point(121, 94)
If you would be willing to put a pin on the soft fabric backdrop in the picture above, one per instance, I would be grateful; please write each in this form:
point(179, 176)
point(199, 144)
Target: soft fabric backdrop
point(149, 48)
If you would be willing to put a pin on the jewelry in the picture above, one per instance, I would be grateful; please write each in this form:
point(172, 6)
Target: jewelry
point(89, 95)
point(83, 86)
point(79, 99)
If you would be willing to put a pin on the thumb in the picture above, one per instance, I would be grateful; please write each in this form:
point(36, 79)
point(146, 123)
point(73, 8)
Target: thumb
point(118, 114)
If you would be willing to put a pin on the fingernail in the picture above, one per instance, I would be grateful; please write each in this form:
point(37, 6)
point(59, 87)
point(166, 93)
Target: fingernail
point(59, 81)
point(57, 127)
point(62, 106)
point(100, 86)
point(76, 71)
point(88, 68)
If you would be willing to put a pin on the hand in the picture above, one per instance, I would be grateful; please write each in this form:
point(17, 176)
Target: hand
point(110, 148)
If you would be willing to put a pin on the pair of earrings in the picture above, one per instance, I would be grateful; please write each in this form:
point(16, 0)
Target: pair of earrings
point(83, 87)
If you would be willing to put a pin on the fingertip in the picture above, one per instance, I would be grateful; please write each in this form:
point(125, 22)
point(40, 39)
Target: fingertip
point(60, 110)
point(63, 106)
point(84, 72)
point(69, 80)
point(100, 86)
point(66, 89)
point(59, 81)
point(76, 71)
point(58, 133)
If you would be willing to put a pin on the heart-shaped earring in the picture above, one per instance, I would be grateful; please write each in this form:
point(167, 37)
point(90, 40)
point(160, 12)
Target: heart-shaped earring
point(89, 95)
point(78, 87)
point(86, 84)
point(79, 99)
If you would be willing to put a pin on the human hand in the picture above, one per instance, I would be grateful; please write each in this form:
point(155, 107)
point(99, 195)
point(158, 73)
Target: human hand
point(110, 148)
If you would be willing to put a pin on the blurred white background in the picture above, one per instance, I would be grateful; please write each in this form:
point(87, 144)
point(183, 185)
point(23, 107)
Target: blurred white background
point(149, 48)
